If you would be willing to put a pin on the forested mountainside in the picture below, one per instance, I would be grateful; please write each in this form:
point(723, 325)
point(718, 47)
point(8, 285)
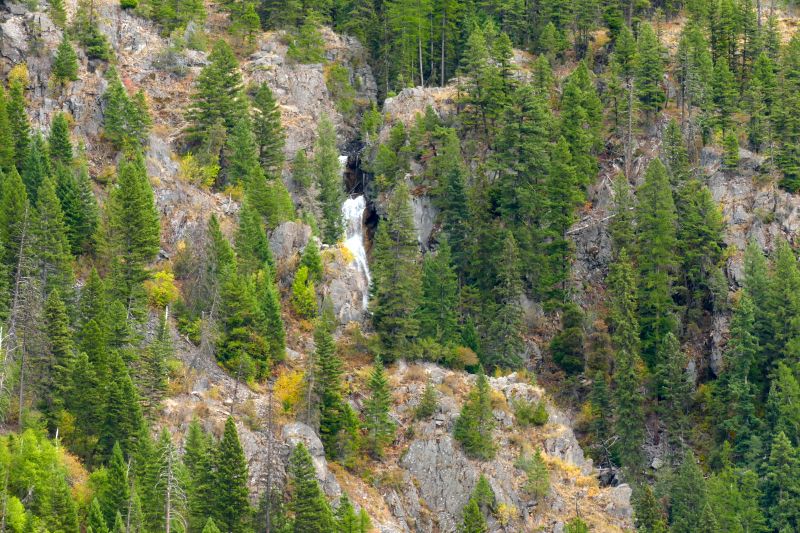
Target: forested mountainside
point(401, 266)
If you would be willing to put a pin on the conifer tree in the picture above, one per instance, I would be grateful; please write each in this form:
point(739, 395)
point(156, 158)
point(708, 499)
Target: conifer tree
point(312, 514)
point(239, 316)
point(79, 206)
point(272, 326)
point(427, 404)
point(731, 151)
point(35, 169)
point(219, 93)
point(63, 514)
point(648, 517)
point(15, 219)
point(304, 299)
point(673, 389)
point(475, 424)
point(456, 217)
point(601, 408)
point(52, 250)
point(725, 96)
point(312, 260)
point(58, 13)
point(622, 224)
point(329, 388)
point(270, 135)
point(6, 139)
point(505, 344)
point(781, 484)
point(438, 313)
point(95, 519)
point(649, 70)
point(58, 142)
point(380, 429)
point(395, 275)
point(688, 496)
point(123, 415)
point(483, 494)
point(56, 383)
point(133, 229)
point(210, 526)
point(302, 169)
point(328, 172)
point(581, 119)
point(656, 246)
point(230, 489)
point(347, 521)
point(155, 369)
point(350, 436)
point(473, 522)
point(93, 299)
point(252, 245)
point(115, 490)
point(65, 64)
point(538, 484)
point(18, 122)
point(708, 523)
point(243, 158)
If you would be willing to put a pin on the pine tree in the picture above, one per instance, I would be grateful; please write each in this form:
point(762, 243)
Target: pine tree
point(15, 219)
point(731, 151)
point(58, 13)
point(438, 312)
point(395, 275)
point(6, 139)
point(455, 217)
point(725, 96)
point(133, 229)
point(473, 522)
point(329, 388)
point(601, 408)
point(427, 404)
point(57, 382)
point(79, 206)
point(154, 373)
point(673, 389)
point(309, 46)
point(252, 245)
point(95, 520)
point(115, 491)
point(649, 71)
point(18, 122)
point(269, 131)
point(63, 514)
point(505, 344)
point(58, 142)
point(657, 246)
point(780, 484)
point(538, 484)
point(123, 420)
point(380, 429)
point(312, 514)
point(210, 526)
point(65, 65)
point(198, 459)
point(648, 517)
point(349, 437)
point(243, 158)
point(219, 93)
point(36, 168)
point(272, 326)
point(688, 496)
point(239, 316)
point(52, 250)
point(304, 299)
point(347, 521)
point(564, 194)
point(622, 224)
point(231, 504)
point(475, 424)
point(302, 169)
point(312, 260)
point(93, 299)
point(328, 172)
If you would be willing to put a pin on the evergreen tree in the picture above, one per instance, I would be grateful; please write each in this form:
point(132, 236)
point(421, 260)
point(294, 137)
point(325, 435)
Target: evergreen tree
point(270, 135)
point(272, 326)
point(252, 245)
point(673, 389)
point(438, 312)
point(601, 408)
point(781, 485)
point(239, 316)
point(649, 70)
point(688, 496)
point(347, 521)
point(79, 206)
point(154, 374)
point(115, 491)
point(15, 220)
point(52, 250)
point(231, 506)
point(648, 516)
point(18, 122)
point(123, 420)
point(725, 96)
point(95, 519)
point(210, 526)
point(395, 275)
point(36, 168)
point(622, 224)
point(56, 383)
point(731, 151)
point(380, 429)
point(312, 260)
point(312, 514)
point(328, 172)
point(505, 344)
point(427, 404)
point(65, 64)
point(475, 424)
point(133, 229)
point(455, 217)
point(329, 389)
point(302, 169)
point(657, 246)
point(58, 142)
point(241, 144)
point(219, 93)
point(6, 140)
point(304, 299)
point(538, 484)
point(473, 522)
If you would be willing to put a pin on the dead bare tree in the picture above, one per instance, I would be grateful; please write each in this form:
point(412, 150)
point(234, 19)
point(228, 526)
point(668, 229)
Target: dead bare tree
point(174, 492)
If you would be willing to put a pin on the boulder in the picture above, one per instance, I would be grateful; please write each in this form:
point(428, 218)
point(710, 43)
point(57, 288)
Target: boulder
point(13, 43)
point(619, 502)
point(288, 238)
point(298, 432)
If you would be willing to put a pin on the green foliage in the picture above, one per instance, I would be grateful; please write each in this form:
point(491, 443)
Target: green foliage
point(65, 64)
point(380, 429)
point(308, 46)
point(312, 260)
point(538, 483)
point(475, 424)
point(328, 172)
point(304, 299)
point(232, 504)
point(311, 510)
point(427, 404)
point(269, 132)
point(473, 522)
point(127, 120)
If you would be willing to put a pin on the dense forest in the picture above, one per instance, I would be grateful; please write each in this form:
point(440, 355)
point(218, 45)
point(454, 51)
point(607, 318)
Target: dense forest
point(88, 356)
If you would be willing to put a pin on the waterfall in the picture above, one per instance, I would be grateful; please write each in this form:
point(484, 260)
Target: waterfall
point(353, 212)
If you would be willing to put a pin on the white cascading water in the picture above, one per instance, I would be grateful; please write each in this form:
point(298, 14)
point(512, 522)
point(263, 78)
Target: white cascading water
point(353, 211)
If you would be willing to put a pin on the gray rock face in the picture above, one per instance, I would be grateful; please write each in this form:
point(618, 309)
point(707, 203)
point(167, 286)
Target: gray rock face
point(298, 432)
point(619, 502)
point(288, 238)
point(13, 40)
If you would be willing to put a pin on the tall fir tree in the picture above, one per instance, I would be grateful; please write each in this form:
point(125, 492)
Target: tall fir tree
point(380, 429)
point(59, 145)
point(504, 339)
point(475, 424)
point(329, 387)
point(65, 64)
point(6, 139)
point(311, 511)
point(231, 495)
point(52, 251)
point(18, 122)
point(328, 172)
point(438, 312)
point(270, 135)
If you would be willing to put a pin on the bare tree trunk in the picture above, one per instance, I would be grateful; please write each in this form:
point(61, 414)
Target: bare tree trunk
point(21, 387)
